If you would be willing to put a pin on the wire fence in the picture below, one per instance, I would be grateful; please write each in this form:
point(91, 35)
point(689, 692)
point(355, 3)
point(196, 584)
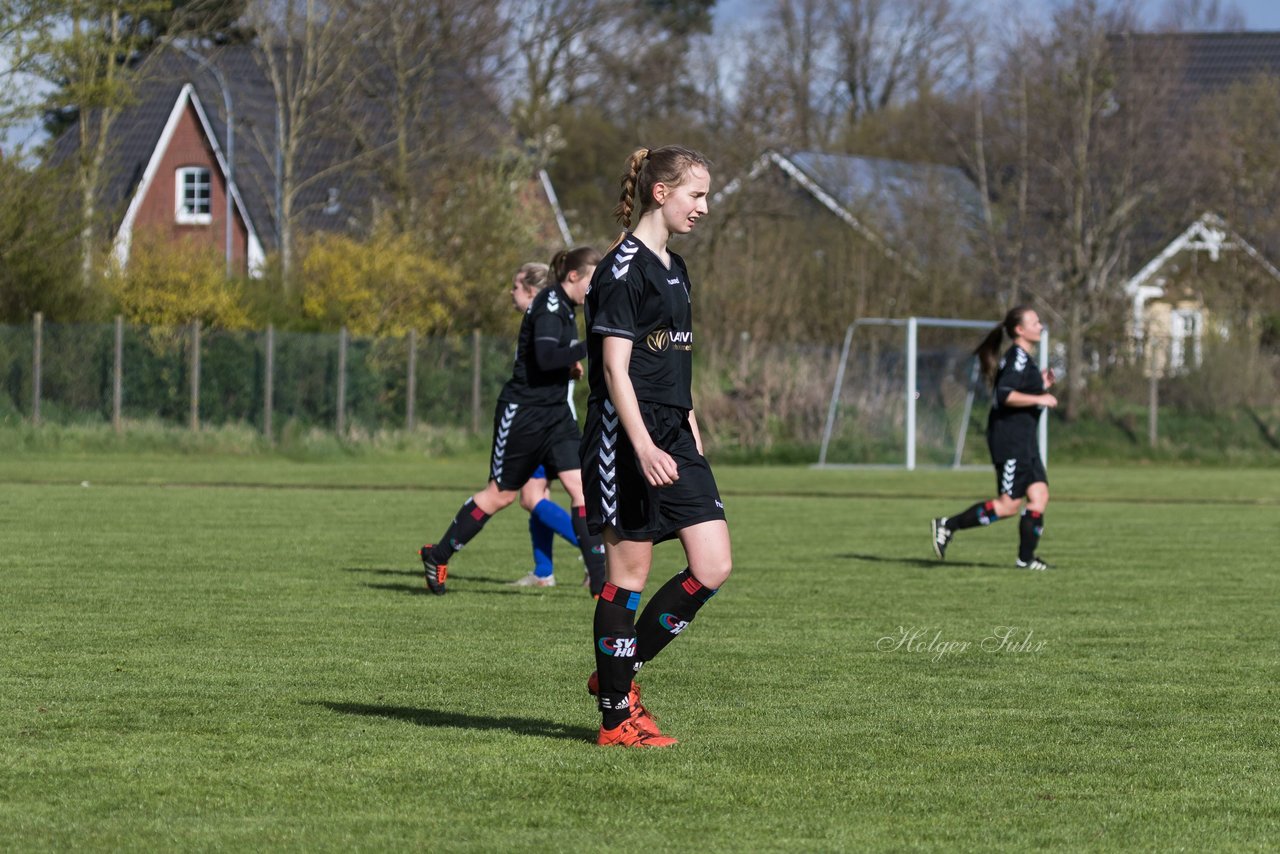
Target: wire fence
point(76, 373)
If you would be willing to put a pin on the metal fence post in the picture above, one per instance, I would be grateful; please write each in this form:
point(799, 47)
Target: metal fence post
point(475, 381)
point(911, 393)
point(1153, 409)
point(195, 375)
point(342, 381)
point(37, 357)
point(1042, 429)
point(411, 381)
point(117, 378)
point(268, 382)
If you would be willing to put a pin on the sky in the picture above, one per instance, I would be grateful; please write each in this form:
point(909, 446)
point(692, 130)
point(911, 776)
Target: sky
point(1259, 15)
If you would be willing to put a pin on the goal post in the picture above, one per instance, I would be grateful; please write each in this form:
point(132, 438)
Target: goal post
point(910, 367)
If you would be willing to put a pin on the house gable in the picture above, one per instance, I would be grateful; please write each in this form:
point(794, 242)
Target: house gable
point(870, 195)
point(1169, 322)
point(187, 141)
point(1209, 234)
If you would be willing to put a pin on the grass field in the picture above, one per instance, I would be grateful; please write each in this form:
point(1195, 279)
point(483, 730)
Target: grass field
point(236, 654)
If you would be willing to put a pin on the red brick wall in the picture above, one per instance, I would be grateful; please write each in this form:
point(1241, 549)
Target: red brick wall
point(157, 213)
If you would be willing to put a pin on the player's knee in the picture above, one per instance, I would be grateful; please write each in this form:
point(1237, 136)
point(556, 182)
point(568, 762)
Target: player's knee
point(713, 573)
point(529, 501)
point(1004, 506)
point(1038, 498)
point(498, 499)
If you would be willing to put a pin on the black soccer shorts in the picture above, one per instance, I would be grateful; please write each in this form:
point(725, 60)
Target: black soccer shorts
point(617, 494)
point(527, 436)
point(1015, 473)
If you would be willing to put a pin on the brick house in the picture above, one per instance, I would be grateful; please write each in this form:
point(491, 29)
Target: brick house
point(167, 169)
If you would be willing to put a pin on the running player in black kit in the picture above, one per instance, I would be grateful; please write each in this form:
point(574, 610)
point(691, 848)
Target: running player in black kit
point(645, 477)
point(533, 423)
point(1019, 394)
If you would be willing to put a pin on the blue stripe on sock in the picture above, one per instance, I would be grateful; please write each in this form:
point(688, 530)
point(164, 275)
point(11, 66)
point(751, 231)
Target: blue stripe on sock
point(633, 601)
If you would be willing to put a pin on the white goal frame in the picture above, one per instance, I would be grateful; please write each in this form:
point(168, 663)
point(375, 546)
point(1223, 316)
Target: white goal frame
point(912, 326)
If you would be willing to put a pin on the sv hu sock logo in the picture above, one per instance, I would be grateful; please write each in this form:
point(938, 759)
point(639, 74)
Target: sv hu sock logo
point(672, 623)
point(618, 647)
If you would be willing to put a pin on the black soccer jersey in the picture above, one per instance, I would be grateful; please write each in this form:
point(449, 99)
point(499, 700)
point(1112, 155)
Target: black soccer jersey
point(634, 296)
point(1014, 427)
point(545, 351)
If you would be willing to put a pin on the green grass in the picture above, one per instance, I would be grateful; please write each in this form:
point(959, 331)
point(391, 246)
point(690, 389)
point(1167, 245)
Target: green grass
point(227, 652)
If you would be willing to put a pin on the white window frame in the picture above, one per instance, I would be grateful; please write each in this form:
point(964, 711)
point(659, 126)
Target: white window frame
point(1185, 325)
point(183, 214)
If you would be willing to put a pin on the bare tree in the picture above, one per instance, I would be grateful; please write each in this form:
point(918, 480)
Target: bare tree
point(555, 46)
point(306, 49)
point(85, 48)
point(425, 95)
point(1087, 153)
point(894, 49)
point(789, 86)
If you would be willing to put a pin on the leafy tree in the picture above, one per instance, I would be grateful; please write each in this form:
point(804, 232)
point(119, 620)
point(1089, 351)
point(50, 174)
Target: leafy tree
point(170, 283)
point(87, 48)
point(37, 247)
point(383, 286)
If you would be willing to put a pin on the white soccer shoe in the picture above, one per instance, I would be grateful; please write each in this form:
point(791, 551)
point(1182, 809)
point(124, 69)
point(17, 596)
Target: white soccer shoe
point(532, 580)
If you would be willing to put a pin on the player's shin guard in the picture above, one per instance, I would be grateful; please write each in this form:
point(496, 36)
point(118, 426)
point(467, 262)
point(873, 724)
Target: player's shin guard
point(543, 540)
point(615, 646)
point(1030, 527)
point(553, 516)
point(592, 547)
point(462, 530)
point(669, 613)
point(982, 513)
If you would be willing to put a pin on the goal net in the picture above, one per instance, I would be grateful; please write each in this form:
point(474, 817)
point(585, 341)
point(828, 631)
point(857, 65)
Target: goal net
point(907, 393)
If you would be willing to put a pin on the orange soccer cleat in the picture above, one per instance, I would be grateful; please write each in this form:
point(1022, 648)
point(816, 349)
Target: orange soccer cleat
point(629, 734)
point(639, 714)
point(435, 573)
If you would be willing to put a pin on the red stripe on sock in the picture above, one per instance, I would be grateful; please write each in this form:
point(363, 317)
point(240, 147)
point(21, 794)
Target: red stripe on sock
point(691, 585)
point(478, 514)
point(581, 510)
point(609, 592)
point(990, 506)
point(1034, 515)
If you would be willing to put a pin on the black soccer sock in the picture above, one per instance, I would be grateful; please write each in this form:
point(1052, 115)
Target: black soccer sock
point(615, 645)
point(669, 613)
point(462, 530)
point(1030, 527)
point(592, 548)
point(982, 513)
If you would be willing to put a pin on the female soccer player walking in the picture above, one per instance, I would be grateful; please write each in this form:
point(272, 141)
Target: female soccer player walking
point(533, 423)
point(546, 518)
point(645, 476)
point(1019, 394)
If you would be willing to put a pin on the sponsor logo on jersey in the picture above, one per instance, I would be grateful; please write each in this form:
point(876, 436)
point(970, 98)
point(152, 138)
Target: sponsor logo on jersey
point(618, 647)
point(672, 623)
point(660, 340)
